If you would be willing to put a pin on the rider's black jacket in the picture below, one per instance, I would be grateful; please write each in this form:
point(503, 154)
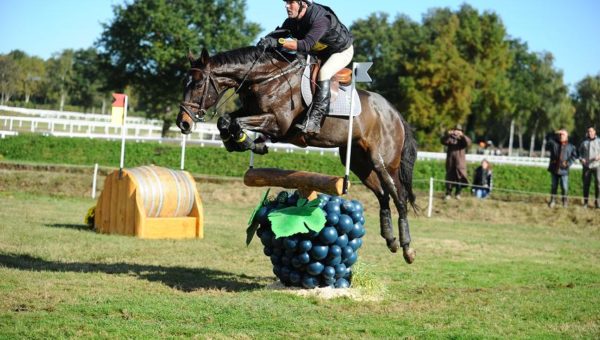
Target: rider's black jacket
point(336, 37)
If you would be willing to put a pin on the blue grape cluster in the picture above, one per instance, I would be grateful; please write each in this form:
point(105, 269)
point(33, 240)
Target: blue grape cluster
point(316, 259)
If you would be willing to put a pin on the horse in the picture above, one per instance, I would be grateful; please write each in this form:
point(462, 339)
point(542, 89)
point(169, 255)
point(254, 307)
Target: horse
point(383, 146)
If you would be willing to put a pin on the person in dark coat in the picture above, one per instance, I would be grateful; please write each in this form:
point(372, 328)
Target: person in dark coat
point(456, 163)
point(562, 156)
point(482, 181)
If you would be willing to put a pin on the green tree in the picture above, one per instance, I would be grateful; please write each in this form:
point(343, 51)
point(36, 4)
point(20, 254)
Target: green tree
point(88, 79)
point(388, 46)
point(554, 110)
point(60, 76)
point(587, 104)
point(481, 40)
point(146, 44)
point(440, 89)
point(9, 73)
point(524, 96)
point(33, 82)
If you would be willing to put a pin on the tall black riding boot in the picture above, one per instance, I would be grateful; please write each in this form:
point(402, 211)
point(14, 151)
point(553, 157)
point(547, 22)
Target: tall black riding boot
point(320, 107)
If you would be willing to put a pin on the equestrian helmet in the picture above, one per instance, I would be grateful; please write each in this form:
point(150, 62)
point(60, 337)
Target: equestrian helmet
point(307, 1)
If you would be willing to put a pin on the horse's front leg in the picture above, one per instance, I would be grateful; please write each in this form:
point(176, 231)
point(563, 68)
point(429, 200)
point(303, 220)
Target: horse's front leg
point(266, 124)
point(229, 140)
point(235, 139)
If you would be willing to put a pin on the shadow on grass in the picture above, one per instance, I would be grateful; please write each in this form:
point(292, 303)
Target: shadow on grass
point(180, 278)
point(83, 227)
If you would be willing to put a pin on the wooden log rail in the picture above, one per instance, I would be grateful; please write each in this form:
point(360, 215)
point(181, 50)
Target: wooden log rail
point(307, 183)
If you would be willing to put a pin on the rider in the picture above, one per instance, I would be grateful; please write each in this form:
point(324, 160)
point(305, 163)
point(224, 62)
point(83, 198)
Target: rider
point(316, 30)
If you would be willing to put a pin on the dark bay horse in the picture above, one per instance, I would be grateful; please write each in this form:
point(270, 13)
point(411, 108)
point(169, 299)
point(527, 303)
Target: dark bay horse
point(268, 84)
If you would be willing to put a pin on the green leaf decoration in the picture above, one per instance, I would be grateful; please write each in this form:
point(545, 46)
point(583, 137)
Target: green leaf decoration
point(252, 224)
point(300, 219)
point(301, 202)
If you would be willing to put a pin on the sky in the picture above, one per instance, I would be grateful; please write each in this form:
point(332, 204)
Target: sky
point(569, 29)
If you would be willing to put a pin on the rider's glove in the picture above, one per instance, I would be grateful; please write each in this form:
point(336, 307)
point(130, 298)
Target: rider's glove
point(267, 42)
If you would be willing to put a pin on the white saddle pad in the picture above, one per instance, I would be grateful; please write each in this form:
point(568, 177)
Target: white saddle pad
point(341, 105)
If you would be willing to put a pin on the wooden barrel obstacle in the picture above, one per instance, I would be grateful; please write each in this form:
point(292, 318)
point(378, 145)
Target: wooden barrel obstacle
point(307, 183)
point(150, 202)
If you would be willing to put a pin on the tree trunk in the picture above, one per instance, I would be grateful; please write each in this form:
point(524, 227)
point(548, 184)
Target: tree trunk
point(167, 122)
point(62, 101)
point(520, 135)
point(165, 127)
point(27, 95)
point(532, 145)
point(510, 138)
point(103, 106)
point(543, 154)
point(532, 142)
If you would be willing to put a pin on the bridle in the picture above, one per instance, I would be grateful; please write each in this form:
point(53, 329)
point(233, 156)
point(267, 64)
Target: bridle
point(197, 111)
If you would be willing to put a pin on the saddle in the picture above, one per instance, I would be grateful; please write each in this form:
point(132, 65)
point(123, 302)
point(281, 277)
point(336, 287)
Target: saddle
point(339, 88)
point(343, 77)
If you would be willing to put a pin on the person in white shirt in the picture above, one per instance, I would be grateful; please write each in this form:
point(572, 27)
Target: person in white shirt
point(589, 156)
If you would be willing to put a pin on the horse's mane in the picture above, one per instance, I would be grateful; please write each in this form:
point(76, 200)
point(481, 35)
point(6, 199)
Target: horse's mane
point(245, 55)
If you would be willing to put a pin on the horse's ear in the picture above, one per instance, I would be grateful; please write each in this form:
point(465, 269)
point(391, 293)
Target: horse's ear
point(204, 56)
point(191, 57)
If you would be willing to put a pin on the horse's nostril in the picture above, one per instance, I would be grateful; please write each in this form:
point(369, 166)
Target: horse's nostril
point(185, 126)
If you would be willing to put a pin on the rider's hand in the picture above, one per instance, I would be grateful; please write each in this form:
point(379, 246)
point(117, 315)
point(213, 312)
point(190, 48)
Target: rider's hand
point(268, 42)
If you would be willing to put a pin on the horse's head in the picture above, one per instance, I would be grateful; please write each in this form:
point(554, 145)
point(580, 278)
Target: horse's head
point(201, 92)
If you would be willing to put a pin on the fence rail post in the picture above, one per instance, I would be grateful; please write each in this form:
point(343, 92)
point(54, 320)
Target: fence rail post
point(430, 207)
point(94, 181)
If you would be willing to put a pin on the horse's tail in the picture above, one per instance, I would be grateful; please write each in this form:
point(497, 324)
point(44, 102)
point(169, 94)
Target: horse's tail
point(407, 164)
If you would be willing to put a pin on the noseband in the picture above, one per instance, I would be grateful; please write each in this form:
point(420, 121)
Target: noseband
point(197, 111)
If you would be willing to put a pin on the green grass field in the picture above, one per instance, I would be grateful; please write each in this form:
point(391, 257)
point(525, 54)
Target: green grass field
point(484, 269)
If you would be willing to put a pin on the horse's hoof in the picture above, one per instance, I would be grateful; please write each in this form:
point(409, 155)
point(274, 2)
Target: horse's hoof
point(393, 245)
point(260, 149)
point(409, 254)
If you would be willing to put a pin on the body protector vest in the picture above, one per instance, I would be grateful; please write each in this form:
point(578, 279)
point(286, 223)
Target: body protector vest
point(336, 39)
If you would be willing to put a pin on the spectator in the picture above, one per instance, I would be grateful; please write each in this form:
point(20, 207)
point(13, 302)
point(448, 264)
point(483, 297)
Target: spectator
point(481, 150)
point(589, 156)
point(482, 181)
point(562, 156)
point(456, 164)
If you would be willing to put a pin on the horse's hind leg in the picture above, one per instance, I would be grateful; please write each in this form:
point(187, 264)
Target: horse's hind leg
point(403, 228)
point(361, 166)
point(390, 182)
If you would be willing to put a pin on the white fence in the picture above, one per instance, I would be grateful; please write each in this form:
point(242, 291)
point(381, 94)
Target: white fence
point(74, 125)
point(87, 125)
point(76, 115)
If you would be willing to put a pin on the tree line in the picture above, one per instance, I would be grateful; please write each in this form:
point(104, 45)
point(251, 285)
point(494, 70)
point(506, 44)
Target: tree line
point(453, 67)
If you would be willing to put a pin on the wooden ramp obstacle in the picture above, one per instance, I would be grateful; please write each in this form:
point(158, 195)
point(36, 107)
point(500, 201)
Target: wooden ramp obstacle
point(150, 202)
point(307, 183)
